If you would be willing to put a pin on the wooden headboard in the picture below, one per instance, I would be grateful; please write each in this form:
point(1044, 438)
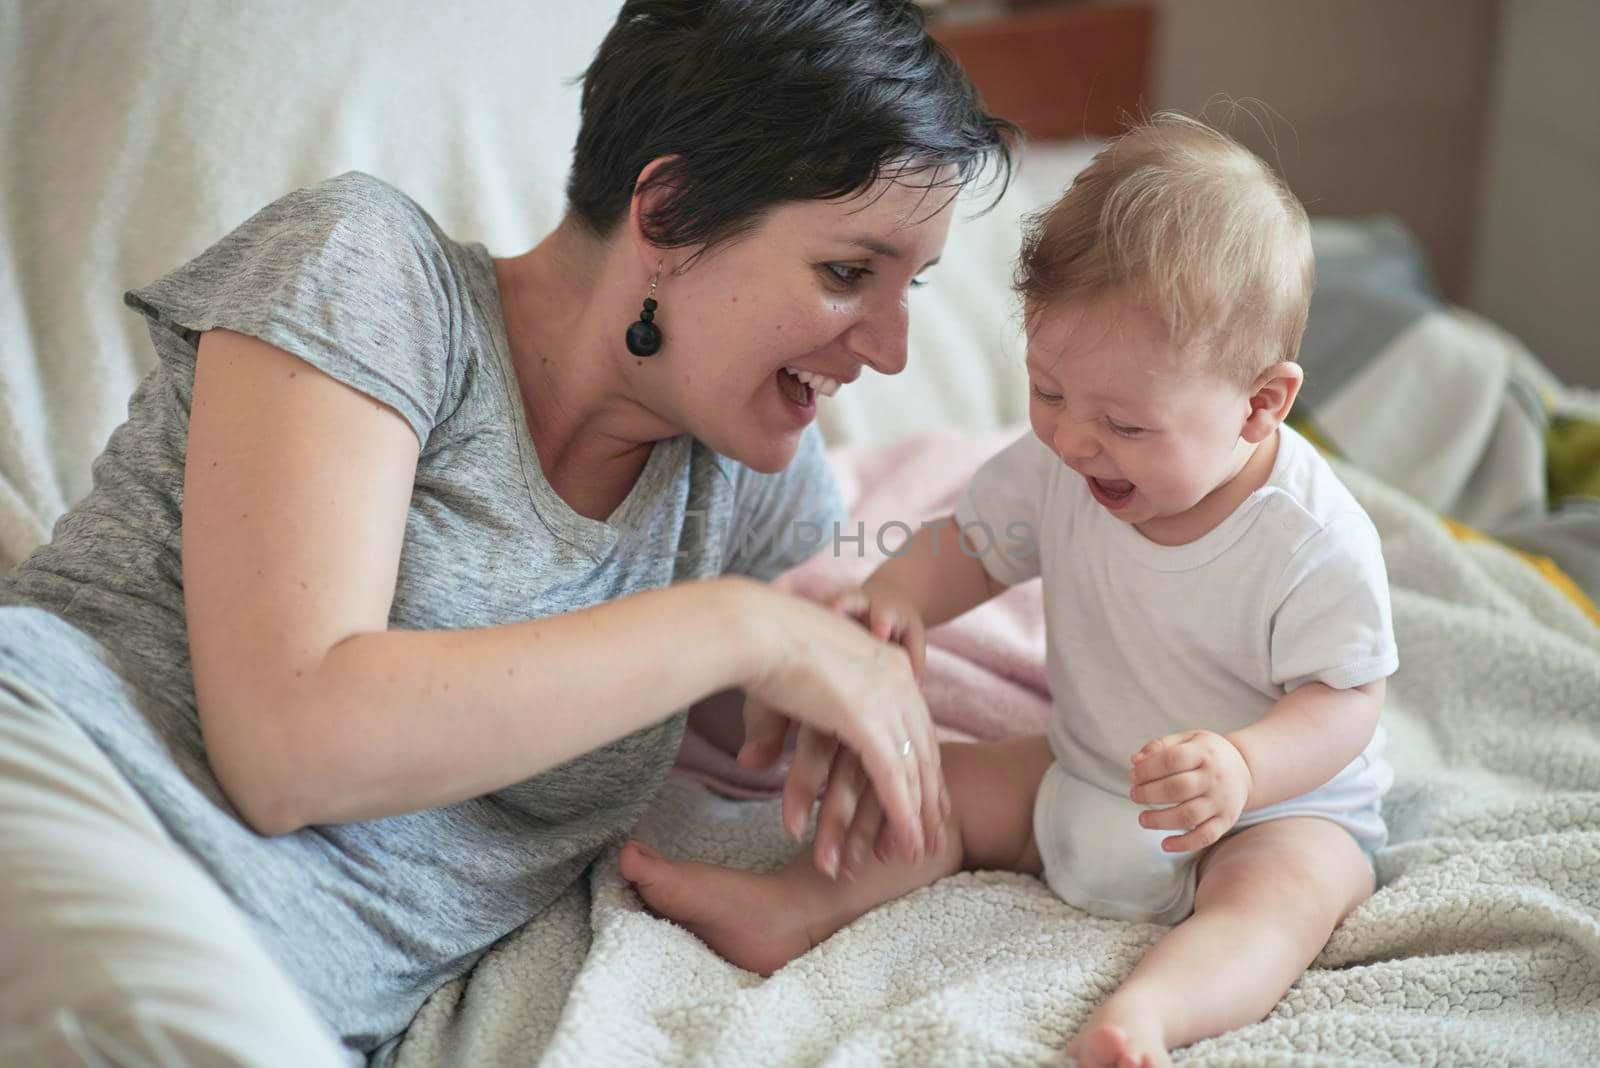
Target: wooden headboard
point(1062, 71)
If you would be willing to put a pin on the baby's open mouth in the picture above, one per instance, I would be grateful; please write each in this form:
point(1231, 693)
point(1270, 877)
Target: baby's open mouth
point(1114, 488)
point(1114, 493)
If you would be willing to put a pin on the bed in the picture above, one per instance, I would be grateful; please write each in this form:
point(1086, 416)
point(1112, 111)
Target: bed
point(137, 133)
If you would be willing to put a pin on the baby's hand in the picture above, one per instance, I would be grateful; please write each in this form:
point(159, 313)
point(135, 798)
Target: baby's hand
point(1202, 776)
point(889, 617)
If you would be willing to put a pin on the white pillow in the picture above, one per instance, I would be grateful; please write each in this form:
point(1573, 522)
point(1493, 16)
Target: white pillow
point(138, 132)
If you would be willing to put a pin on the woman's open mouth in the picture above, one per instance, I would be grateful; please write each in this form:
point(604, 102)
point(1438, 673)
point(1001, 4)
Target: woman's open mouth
point(801, 388)
point(1114, 493)
point(799, 393)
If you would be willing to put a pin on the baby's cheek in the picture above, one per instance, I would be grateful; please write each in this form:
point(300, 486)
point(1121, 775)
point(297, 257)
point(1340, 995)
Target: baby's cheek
point(1191, 476)
point(1167, 479)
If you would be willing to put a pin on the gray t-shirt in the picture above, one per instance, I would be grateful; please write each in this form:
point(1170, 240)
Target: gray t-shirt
point(354, 278)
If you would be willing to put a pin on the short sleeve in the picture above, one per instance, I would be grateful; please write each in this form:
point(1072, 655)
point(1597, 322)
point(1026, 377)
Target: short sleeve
point(1333, 622)
point(783, 519)
point(348, 275)
point(999, 512)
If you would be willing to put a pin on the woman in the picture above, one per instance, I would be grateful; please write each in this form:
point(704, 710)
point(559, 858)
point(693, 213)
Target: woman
point(425, 648)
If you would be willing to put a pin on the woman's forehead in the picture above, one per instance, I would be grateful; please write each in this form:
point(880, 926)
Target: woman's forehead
point(889, 217)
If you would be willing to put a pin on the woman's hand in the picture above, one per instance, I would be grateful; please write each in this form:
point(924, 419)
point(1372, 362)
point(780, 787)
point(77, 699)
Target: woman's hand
point(850, 823)
point(852, 693)
point(1202, 776)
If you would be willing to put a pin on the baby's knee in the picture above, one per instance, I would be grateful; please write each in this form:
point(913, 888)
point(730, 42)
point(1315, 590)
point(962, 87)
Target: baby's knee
point(1306, 873)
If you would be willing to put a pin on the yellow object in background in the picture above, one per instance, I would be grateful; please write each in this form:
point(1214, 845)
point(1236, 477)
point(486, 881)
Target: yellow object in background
point(1572, 458)
point(1542, 564)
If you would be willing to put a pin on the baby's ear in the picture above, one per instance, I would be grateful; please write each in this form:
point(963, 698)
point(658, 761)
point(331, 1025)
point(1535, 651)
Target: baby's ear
point(1272, 394)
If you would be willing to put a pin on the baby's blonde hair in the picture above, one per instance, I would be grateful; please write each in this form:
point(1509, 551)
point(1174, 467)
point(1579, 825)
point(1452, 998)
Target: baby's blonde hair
point(1191, 225)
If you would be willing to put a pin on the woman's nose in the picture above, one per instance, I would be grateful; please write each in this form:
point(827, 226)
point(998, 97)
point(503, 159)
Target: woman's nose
point(880, 337)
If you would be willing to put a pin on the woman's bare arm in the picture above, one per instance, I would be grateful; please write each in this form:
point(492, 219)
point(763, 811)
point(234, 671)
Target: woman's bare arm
point(295, 502)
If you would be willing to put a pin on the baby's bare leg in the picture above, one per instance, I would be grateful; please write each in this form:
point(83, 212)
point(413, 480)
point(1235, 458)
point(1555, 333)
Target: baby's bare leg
point(763, 921)
point(1267, 900)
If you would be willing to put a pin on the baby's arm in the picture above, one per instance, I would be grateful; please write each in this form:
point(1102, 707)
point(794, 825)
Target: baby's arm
point(1306, 739)
point(935, 575)
point(1208, 780)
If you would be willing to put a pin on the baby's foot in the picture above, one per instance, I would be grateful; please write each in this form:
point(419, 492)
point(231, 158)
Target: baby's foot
point(1125, 1032)
point(749, 918)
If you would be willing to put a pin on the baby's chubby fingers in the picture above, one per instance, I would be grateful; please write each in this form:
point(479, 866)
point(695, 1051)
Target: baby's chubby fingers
point(884, 623)
point(1165, 756)
point(1172, 790)
point(1207, 834)
point(853, 602)
point(1190, 814)
point(886, 620)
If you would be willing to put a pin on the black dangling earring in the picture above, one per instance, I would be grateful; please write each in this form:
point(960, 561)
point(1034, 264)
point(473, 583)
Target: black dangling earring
point(644, 336)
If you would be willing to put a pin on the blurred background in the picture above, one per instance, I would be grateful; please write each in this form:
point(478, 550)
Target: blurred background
point(1449, 152)
point(1475, 122)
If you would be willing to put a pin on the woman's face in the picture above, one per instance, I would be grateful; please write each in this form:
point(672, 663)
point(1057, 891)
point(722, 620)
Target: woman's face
point(819, 287)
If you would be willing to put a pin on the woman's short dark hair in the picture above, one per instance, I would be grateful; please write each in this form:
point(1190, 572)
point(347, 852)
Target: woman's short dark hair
point(758, 102)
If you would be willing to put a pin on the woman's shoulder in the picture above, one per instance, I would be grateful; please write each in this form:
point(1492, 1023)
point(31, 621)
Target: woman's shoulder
point(350, 275)
point(354, 228)
point(354, 207)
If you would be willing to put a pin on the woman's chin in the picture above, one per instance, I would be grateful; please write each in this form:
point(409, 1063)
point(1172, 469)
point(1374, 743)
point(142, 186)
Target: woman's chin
point(765, 436)
point(759, 448)
point(770, 456)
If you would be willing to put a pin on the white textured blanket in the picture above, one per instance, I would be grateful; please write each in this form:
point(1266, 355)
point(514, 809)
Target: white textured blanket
point(1482, 946)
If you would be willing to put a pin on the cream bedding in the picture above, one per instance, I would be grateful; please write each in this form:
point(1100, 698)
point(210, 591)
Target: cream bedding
point(1482, 947)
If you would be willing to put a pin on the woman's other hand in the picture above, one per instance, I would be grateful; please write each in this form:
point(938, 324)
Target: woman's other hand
point(853, 694)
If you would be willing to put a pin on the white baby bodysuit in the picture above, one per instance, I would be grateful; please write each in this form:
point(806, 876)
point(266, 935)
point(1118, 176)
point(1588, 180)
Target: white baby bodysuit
point(1144, 640)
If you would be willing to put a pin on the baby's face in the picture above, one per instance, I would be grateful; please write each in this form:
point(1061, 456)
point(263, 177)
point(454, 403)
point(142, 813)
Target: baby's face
point(1152, 430)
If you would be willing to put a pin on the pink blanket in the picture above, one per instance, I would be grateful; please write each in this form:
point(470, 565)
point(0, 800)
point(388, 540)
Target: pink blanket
point(985, 671)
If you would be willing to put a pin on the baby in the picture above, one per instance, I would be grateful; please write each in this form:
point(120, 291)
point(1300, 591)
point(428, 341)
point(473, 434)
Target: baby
point(1216, 608)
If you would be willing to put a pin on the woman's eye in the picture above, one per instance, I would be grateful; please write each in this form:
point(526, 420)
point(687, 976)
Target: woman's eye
point(918, 282)
point(846, 274)
point(1048, 398)
point(1125, 431)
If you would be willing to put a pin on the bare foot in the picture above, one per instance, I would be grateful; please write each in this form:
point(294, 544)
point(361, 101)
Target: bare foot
point(750, 918)
point(1125, 1032)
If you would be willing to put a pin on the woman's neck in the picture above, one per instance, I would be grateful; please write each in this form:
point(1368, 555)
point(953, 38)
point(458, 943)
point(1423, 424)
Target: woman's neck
point(592, 432)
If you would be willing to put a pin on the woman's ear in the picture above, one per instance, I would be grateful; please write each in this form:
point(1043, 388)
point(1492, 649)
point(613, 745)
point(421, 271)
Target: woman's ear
point(648, 197)
point(1272, 394)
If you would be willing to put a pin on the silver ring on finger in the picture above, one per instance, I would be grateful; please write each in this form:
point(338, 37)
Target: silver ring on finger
point(905, 750)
